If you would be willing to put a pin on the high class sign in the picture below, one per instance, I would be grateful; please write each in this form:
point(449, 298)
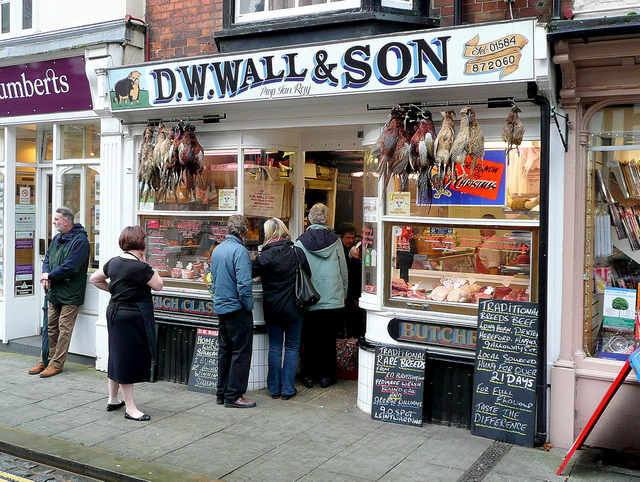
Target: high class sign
point(483, 54)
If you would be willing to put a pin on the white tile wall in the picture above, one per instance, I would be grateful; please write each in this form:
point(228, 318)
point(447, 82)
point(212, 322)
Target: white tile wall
point(259, 362)
point(366, 363)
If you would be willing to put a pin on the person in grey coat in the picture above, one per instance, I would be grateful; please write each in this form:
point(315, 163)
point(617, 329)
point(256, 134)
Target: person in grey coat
point(325, 254)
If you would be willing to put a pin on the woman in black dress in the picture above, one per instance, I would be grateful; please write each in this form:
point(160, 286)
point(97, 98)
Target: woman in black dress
point(130, 323)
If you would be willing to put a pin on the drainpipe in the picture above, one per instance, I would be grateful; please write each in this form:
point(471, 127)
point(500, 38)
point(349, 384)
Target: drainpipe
point(555, 8)
point(545, 136)
point(457, 12)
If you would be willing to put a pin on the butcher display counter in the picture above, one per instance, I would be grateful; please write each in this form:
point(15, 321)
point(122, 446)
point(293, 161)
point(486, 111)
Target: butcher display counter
point(452, 268)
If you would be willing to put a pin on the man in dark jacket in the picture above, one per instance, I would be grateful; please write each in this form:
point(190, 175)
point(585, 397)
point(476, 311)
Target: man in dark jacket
point(233, 303)
point(64, 275)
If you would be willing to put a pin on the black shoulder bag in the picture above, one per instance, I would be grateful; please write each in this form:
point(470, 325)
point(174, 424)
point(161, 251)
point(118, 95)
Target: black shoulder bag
point(306, 294)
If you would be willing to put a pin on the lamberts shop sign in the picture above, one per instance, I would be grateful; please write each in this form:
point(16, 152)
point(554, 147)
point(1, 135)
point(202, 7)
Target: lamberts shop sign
point(44, 87)
point(487, 54)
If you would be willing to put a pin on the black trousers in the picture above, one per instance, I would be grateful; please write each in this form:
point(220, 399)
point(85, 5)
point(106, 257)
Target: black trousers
point(235, 337)
point(319, 333)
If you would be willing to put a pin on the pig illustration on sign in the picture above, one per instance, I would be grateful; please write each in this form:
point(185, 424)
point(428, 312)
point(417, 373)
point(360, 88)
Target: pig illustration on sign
point(128, 90)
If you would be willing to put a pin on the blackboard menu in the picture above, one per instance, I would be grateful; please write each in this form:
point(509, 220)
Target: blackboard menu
point(203, 376)
point(398, 385)
point(506, 372)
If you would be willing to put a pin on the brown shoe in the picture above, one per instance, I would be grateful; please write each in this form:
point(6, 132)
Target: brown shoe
point(241, 403)
point(37, 369)
point(50, 371)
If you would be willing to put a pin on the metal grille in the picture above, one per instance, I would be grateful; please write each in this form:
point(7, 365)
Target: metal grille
point(448, 390)
point(175, 352)
point(486, 462)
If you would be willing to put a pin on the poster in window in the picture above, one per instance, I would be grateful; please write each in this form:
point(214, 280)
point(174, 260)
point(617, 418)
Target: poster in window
point(227, 199)
point(399, 204)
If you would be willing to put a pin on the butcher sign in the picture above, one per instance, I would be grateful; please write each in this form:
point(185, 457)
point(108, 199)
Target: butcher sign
point(478, 54)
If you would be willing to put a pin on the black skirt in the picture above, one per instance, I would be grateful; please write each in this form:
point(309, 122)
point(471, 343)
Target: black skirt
point(129, 353)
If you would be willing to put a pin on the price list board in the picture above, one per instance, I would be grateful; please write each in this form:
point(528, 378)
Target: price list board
point(203, 376)
point(506, 372)
point(398, 385)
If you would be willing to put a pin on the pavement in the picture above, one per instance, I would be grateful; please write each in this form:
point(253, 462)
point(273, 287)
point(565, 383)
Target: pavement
point(320, 435)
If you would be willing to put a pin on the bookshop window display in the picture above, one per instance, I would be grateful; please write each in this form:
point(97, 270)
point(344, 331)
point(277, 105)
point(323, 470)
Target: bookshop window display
point(613, 232)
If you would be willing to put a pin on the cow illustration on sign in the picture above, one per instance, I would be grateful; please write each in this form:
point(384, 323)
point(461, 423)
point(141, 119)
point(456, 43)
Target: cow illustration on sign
point(127, 90)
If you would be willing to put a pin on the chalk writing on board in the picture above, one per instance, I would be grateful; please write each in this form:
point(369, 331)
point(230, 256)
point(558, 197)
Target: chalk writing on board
point(203, 376)
point(506, 371)
point(398, 385)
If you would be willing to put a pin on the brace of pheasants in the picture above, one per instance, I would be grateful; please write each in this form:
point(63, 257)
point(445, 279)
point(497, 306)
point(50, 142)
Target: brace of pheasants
point(385, 146)
point(148, 176)
point(191, 157)
point(513, 130)
point(422, 155)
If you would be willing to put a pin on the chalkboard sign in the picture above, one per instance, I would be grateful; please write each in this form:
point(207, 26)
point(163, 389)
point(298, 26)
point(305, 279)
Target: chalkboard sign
point(506, 372)
point(398, 385)
point(203, 376)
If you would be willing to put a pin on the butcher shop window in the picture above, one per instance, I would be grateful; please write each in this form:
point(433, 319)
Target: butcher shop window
point(612, 237)
point(452, 267)
point(259, 10)
point(214, 188)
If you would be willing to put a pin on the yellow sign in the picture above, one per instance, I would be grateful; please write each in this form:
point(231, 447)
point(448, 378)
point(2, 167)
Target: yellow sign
point(502, 55)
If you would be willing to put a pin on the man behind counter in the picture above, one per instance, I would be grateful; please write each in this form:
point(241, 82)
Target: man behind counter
point(489, 252)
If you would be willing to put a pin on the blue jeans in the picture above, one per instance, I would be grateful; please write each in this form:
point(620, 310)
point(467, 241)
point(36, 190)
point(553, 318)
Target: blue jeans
point(282, 372)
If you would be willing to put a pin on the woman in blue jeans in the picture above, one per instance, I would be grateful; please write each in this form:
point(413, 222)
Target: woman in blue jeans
point(277, 265)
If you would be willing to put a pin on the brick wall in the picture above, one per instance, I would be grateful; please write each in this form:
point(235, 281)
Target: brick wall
point(182, 29)
point(479, 11)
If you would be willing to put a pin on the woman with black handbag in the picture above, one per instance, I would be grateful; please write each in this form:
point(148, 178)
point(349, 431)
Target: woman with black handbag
point(325, 254)
point(277, 265)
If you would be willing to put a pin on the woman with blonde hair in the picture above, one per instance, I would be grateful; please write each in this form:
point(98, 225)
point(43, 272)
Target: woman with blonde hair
point(277, 265)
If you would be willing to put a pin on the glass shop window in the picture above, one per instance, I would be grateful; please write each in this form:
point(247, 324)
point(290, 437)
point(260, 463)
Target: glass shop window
point(172, 188)
point(81, 194)
point(268, 191)
point(612, 262)
point(79, 141)
point(370, 216)
point(1, 233)
point(181, 248)
point(450, 268)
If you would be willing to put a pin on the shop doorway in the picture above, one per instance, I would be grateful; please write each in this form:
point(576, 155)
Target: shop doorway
point(335, 178)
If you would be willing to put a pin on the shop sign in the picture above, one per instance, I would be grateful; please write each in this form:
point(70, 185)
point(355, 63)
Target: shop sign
point(415, 331)
point(183, 306)
point(24, 280)
point(44, 87)
point(463, 56)
point(486, 186)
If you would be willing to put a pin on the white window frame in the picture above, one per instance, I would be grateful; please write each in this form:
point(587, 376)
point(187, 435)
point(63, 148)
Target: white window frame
point(15, 18)
point(400, 4)
point(329, 6)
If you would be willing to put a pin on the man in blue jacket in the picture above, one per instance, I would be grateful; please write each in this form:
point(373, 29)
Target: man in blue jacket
point(233, 304)
point(64, 275)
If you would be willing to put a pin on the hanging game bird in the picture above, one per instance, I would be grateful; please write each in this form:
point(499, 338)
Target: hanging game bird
point(146, 173)
point(422, 148)
point(513, 130)
point(385, 145)
point(458, 148)
point(475, 143)
point(442, 148)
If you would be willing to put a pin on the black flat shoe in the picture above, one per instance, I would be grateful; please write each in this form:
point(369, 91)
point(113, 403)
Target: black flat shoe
point(142, 418)
point(307, 382)
point(276, 395)
point(327, 382)
point(220, 400)
point(289, 397)
point(114, 406)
